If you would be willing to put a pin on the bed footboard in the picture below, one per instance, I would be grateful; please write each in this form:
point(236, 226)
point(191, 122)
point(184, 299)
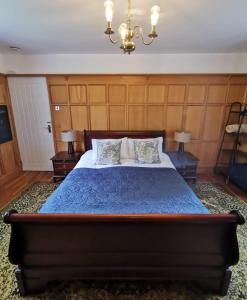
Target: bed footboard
point(198, 248)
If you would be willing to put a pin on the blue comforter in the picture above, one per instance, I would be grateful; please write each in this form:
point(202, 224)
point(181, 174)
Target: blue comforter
point(123, 190)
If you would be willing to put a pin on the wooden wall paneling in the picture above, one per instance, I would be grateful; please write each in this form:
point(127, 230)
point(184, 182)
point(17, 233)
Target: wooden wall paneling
point(61, 146)
point(236, 93)
point(176, 93)
point(117, 117)
point(156, 94)
point(79, 117)
point(217, 93)
point(117, 93)
point(136, 117)
point(136, 94)
point(194, 120)
point(2, 93)
point(10, 162)
point(59, 94)
point(213, 122)
point(61, 119)
point(208, 154)
point(98, 117)
point(193, 147)
point(174, 119)
point(196, 94)
point(78, 94)
point(155, 117)
point(8, 157)
point(97, 93)
point(197, 103)
point(1, 168)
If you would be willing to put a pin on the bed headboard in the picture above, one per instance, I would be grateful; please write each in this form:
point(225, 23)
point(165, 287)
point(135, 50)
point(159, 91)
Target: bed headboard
point(105, 134)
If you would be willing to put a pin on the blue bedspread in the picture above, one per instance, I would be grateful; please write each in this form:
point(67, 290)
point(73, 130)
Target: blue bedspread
point(123, 190)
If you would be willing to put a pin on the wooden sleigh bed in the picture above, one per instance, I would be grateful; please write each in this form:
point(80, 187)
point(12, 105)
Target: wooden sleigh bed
point(187, 247)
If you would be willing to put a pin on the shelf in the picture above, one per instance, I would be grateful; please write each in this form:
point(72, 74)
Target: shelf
point(238, 152)
point(235, 133)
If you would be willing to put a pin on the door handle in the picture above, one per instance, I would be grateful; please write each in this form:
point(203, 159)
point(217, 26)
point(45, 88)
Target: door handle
point(48, 127)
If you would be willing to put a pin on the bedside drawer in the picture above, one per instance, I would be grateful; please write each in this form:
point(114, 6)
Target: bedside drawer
point(187, 172)
point(70, 165)
point(59, 166)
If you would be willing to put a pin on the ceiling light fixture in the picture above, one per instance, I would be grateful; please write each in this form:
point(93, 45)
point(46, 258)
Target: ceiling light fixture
point(126, 32)
point(14, 48)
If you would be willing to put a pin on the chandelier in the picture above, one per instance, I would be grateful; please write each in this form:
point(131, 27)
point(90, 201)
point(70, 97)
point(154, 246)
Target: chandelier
point(126, 32)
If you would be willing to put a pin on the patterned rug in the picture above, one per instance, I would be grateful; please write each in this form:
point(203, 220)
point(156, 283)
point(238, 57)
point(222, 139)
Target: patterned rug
point(217, 199)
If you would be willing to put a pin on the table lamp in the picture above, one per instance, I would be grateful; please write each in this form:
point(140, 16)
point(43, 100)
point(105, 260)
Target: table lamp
point(69, 136)
point(182, 137)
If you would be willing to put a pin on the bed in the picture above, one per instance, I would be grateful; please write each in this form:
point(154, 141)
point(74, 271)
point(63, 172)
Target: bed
point(123, 223)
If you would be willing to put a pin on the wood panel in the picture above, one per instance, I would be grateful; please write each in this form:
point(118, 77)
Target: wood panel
point(10, 162)
point(236, 93)
point(2, 93)
point(77, 94)
point(213, 122)
point(156, 93)
point(137, 94)
point(59, 94)
point(155, 117)
point(8, 157)
point(97, 94)
point(79, 117)
point(196, 94)
point(197, 103)
point(174, 119)
point(61, 119)
point(208, 154)
point(194, 120)
point(117, 117)
point(117, 93)
point(136, 117)
point(98, 117)
point(176, 93)
point(217, 94)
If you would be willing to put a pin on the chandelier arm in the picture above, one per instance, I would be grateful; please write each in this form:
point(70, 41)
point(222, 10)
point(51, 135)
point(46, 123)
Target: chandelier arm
point(112, 40)
point(139, 32)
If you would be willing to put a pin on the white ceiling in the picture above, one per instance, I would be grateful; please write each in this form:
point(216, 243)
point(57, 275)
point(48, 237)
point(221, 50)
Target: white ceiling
point(77, 26)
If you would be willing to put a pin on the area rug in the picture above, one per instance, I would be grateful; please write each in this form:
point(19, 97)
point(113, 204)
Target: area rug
point(217, 199)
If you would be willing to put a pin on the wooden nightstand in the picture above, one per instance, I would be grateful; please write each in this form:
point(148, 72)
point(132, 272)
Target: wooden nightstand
point(185, 163)
point(63, 163)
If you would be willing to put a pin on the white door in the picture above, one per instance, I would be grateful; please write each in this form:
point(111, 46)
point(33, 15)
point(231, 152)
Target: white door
point(29, 96)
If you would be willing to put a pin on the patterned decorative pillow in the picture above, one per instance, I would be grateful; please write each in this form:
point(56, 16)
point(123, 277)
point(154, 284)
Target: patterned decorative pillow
point(108, 153)
point(146, 152)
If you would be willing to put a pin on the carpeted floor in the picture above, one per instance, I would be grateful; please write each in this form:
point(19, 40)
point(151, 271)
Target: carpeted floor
point(214, 197)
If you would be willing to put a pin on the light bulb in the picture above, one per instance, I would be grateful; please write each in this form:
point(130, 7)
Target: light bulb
point(123, 30)
point(155, 11)
point(108, 10)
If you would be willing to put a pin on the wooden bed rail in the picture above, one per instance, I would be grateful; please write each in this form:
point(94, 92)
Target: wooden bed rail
point(193, 247)
point(13, 216)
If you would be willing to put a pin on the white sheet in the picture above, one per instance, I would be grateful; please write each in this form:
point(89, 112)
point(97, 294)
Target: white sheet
point(87, 161)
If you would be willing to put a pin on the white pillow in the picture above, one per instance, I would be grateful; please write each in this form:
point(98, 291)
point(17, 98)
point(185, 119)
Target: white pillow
point(132, 148)
point(124, 147)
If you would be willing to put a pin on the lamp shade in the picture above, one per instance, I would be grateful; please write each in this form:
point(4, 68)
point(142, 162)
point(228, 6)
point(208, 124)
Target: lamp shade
point(68, 136)
point(182, 136)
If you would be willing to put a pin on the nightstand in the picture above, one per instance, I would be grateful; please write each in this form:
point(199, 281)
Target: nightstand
point(63, 163)
point(186, 164)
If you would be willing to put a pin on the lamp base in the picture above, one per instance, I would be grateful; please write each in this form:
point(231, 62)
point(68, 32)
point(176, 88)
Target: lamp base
point(70, 148)
point(181, 148)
